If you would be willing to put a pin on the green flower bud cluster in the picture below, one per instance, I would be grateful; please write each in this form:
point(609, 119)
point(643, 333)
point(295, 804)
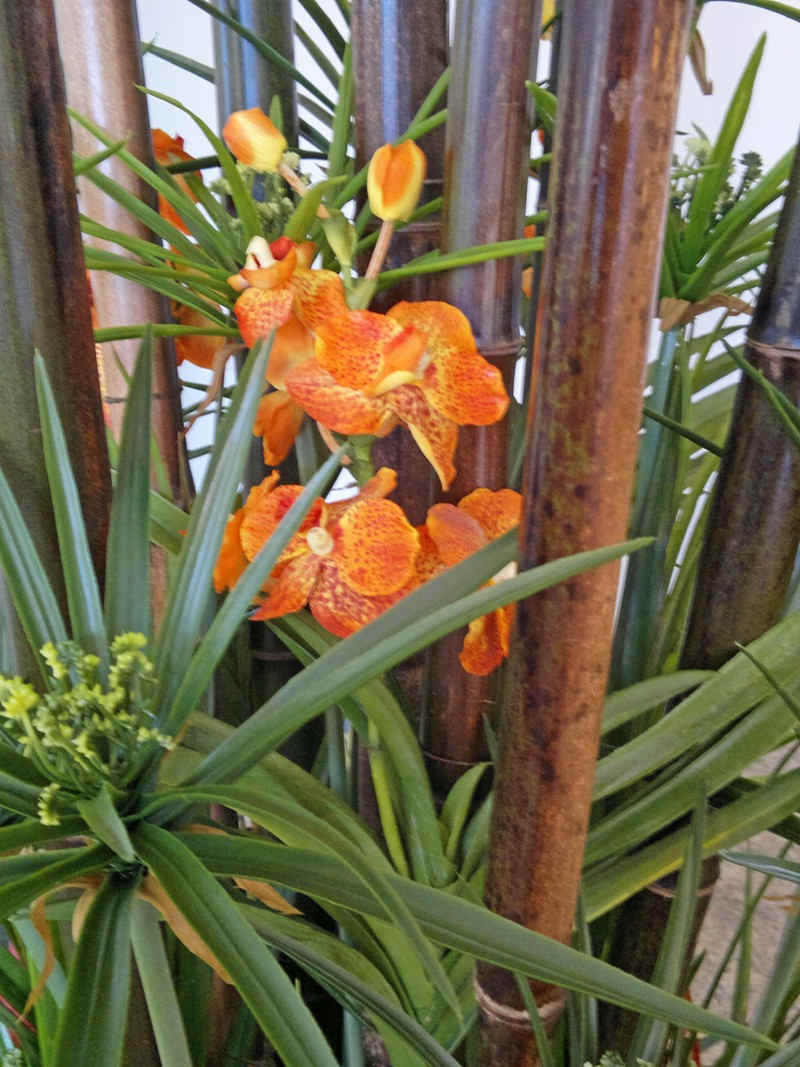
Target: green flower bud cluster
point(273, 206)
point(83, 731)
point(12, 1058)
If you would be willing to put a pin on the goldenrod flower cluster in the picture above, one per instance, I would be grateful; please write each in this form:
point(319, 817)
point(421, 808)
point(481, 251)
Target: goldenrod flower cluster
point(83, 732)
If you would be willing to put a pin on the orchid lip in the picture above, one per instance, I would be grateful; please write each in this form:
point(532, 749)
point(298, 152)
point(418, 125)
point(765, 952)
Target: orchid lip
point(319, 541)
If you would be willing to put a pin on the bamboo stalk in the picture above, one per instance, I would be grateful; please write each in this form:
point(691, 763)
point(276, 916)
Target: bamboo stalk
point(485, 179)
point(100, 49)
point(43, 293)
point(619, 76)
point(244, 78)
point(754, 524)
point(399, 50)
point(753, 533)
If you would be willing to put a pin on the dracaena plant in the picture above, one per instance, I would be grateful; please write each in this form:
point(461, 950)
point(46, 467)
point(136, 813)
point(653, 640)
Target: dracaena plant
point(106, 758)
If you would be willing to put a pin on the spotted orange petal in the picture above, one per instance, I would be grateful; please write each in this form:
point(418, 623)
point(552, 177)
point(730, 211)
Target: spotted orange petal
point(335, 406)
point(497, 511)
point(290, 587)
point(293, 343)
point(339, 608)
point(466, 388)
point(428, 562)
point(445, 327)
point(274, 275)
point(486, 644)
point(231, 561)
point(259, 311)
point(455, 533)
point(362, 348)
point(264, 511)
point(436, 435)
point(383, 482)
point(318, 295)
point(277, 421)
point(376, 547)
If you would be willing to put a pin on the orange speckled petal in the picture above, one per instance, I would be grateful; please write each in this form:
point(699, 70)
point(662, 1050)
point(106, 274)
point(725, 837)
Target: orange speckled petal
point(231, 561)
point(446, 328)
point(340, 609)
point(292, 344)
point(277, 421)
point(455, 534)
point(335, 406)
point(497, 511)
point(289, 588)
point(466, 388)
point(436, 435)
point(360, 348)
point(318, 296)
point(276, 274)
point(486, 644)
point(427, 564)
point(258, 311)
point(376, 547)
point(383, 482)
point(264, 512)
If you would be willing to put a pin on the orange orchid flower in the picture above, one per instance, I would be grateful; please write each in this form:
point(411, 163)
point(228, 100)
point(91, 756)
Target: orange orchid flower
point(254, 139)
point(279, 292)
point(168, 150)
point(527, 273)
point(418, 364)
point(199, 349)
point(451, 534)
point(394, 180)
point(350, 560)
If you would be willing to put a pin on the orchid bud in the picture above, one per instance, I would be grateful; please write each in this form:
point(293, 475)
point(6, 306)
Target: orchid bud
point(254, 139)
point(394, 180)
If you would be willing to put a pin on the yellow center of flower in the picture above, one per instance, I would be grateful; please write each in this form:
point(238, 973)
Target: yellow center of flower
point(319, 541)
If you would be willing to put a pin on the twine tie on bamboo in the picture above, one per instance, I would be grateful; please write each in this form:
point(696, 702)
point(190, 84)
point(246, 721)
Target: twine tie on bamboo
point(516, 1018)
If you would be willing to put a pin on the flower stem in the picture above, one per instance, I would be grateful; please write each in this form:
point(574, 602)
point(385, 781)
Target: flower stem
point(381, 249)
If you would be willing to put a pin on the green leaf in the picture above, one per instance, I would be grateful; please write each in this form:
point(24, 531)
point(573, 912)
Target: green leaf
point(95, 1013)
point(103, 820)
point(200, 669)
point(460, 925)
point(290, 822)
point(350, 977)
point(626, 704)
point(261, 981)
point(127, 607)
point(326, 25)
point(463, 257)
point(83, 594)
point(457, 808)
point(546, 106)
point(414, 622)
point(191, 587)
point(202, 70)
point(716, 173)
point(242, 200)
point(765, 864)
point(304, 215)
point(31, 832)
point(340, 131)
point(326, 67)
point(20, 893)
point(162, 1003)
point(90, 162)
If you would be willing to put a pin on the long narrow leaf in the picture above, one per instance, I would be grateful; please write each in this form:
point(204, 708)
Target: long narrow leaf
point(413, 623)
point(463, 926)
point(261, 981)
point(94, 1016)
point(127, 605)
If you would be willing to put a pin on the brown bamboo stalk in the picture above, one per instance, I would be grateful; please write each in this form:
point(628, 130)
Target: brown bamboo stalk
point(485, 178)
point(754, 523)
point(752, 539)
point(399, 50)
point(619, 76)
point(100, 48)
point(43, 294)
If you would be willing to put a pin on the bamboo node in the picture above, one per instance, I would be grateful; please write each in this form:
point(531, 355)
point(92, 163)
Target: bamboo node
point(516, 1018)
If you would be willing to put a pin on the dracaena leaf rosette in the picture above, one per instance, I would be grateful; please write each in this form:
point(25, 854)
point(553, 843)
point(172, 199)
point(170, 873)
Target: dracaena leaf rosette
point(452, 533)
point(418, 365)
point(349, 561)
